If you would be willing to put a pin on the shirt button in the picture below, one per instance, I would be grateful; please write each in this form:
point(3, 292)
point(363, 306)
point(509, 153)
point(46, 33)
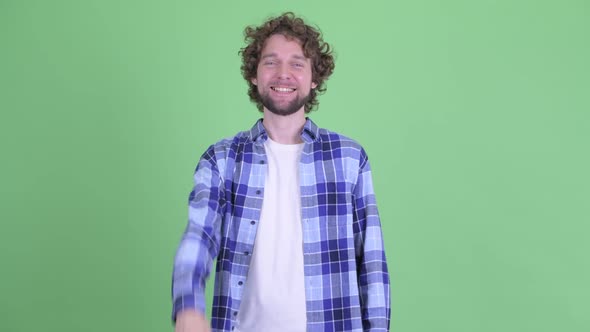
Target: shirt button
point(246, 253)
point(262, 162)
point(235, 313)
point(258, 192)
point(240, 283)
point(252, 222)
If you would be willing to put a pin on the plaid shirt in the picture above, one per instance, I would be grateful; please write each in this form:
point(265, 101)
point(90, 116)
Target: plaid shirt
point(346, 278)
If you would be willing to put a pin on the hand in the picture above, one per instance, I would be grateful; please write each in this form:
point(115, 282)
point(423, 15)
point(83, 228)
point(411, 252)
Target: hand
point(191, 321)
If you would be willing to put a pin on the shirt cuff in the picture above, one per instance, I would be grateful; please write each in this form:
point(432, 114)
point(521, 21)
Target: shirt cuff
point(194, 302)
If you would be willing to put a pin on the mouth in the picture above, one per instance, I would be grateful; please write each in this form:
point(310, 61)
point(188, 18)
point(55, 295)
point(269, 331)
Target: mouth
point(283, 90)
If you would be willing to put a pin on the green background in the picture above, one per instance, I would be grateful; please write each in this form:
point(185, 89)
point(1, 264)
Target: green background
point(475, 114)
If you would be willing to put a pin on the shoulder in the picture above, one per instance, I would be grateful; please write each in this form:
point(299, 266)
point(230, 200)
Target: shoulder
point(221, 155)
point(348, 147)
point(330, 136)
point(221, 149)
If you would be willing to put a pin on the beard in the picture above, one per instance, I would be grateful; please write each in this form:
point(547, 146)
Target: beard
point(284, 110)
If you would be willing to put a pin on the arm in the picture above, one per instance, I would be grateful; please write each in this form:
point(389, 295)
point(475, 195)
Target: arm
point(191, 321)
point(200, 243)
point(370, 253)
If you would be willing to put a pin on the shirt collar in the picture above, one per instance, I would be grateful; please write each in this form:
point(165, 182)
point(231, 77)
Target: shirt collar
point(310, 132)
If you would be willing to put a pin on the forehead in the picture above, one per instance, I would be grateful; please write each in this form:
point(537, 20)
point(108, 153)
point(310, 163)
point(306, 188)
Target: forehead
point(280, 45)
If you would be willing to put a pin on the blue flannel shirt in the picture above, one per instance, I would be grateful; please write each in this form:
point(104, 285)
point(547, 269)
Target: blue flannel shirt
point(346, 278)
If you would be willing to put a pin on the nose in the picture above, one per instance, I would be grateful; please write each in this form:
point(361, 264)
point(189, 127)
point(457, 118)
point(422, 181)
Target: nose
point(283, 72)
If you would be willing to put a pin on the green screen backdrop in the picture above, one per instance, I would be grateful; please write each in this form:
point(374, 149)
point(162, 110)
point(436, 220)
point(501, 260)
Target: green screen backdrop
point(475, 115)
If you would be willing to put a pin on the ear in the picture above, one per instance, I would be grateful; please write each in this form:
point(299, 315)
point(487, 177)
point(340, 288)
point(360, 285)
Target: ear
point(254, 81)
point(313, 85)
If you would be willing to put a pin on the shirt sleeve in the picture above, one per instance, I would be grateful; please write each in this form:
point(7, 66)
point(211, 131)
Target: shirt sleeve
point(200, 242)
point(370, 253)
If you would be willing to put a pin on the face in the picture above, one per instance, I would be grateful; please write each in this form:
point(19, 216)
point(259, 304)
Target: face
point(283, 77)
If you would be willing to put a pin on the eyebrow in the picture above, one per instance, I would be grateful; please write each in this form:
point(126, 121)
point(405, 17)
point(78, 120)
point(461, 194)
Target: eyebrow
point(274, 55)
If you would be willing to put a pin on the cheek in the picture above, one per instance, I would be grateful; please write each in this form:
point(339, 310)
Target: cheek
point(309, 78)
point(259, 76)
point(306, 80)
point(263, 77)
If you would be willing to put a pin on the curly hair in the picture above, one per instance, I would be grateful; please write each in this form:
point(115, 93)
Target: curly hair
point(311, 42)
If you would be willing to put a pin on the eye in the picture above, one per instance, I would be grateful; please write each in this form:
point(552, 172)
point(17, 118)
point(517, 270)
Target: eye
point(298, 65)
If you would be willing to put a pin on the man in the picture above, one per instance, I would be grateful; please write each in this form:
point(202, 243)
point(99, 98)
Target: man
point(286, 208)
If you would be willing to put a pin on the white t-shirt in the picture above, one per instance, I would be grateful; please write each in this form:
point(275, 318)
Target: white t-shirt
point(274, 293)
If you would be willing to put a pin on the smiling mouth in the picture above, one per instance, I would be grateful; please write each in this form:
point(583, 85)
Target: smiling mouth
point(282, 89)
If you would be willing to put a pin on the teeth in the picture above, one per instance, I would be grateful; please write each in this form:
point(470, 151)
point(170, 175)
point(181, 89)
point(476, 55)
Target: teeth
point(283, 89)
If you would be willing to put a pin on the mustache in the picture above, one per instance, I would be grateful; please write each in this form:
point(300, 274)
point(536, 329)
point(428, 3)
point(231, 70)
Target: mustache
point(283, 84)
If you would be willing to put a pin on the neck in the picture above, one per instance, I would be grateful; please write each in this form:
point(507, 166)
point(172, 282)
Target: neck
point(284, 129)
